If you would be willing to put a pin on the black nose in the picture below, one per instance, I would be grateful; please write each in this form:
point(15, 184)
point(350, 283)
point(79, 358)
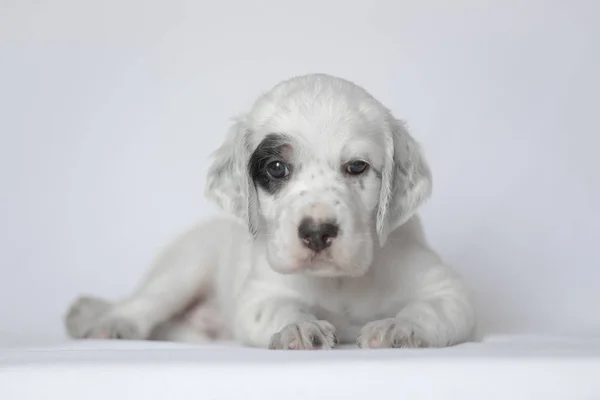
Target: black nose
point(317, 235)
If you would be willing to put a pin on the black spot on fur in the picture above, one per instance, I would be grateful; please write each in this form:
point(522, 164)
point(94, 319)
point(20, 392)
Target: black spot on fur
point(270, 149)
point(316, 341)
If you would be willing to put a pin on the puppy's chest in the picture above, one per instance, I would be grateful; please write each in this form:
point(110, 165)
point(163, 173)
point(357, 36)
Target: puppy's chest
point(345, 303)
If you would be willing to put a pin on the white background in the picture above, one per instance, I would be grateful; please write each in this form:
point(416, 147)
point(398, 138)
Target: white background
point(108, 110)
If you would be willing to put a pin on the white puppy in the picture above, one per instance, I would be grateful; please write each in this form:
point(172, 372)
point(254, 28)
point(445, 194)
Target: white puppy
point(325, 245)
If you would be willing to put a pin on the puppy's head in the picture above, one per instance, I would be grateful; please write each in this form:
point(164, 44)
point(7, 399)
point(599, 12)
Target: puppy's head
point(322, 173)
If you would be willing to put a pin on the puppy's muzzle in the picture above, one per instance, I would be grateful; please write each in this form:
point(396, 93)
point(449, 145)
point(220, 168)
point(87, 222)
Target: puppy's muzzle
point(317, 236)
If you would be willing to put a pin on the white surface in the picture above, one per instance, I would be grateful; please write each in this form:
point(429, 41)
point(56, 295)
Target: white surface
point(500, 368)
point(108, 110)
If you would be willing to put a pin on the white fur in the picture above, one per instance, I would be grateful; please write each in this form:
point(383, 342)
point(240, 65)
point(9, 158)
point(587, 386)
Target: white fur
point(250, 277)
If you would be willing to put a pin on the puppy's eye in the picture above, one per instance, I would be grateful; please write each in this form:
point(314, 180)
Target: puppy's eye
point(277, 169)
point(356, 167)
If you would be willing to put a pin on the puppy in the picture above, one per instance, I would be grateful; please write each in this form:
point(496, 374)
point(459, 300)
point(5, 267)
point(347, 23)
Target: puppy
point(322, 244)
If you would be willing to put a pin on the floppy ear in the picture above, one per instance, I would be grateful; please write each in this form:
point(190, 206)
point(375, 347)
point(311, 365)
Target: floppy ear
point(406, 180)
point(228, 183)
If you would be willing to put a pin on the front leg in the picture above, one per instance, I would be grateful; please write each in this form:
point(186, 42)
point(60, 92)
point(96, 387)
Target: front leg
point(282, 324)
point(440, 315)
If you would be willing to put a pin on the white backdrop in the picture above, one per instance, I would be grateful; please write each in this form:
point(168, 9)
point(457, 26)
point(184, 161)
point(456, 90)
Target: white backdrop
point(109, 109)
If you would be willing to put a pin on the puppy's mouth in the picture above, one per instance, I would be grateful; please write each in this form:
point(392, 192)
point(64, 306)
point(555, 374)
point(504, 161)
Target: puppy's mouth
point(324, 256)
point(313, 260)
point(329, 262)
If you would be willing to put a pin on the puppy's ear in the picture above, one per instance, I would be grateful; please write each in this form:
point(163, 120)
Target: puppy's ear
point(406, 180)
point(228, 183)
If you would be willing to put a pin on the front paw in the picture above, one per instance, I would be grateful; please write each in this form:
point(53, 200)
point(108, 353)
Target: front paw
point(391, 333)
point(312, 335)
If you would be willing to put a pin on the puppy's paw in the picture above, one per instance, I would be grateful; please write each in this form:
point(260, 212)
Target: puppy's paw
point(117, 327)
point(312, 335)
point(83, 314)
point(391, 333)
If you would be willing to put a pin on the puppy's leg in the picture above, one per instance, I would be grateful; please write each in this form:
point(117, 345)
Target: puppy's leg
point(442, 314)
point(203, 322)
point(179, 276)
point(280, 323)
point(86, 311)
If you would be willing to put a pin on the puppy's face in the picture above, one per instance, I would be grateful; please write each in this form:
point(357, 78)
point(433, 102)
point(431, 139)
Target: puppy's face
point(321, 173)
point(318, 193)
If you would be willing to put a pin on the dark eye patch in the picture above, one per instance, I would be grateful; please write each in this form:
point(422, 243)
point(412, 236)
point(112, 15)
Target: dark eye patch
point(270, 149)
